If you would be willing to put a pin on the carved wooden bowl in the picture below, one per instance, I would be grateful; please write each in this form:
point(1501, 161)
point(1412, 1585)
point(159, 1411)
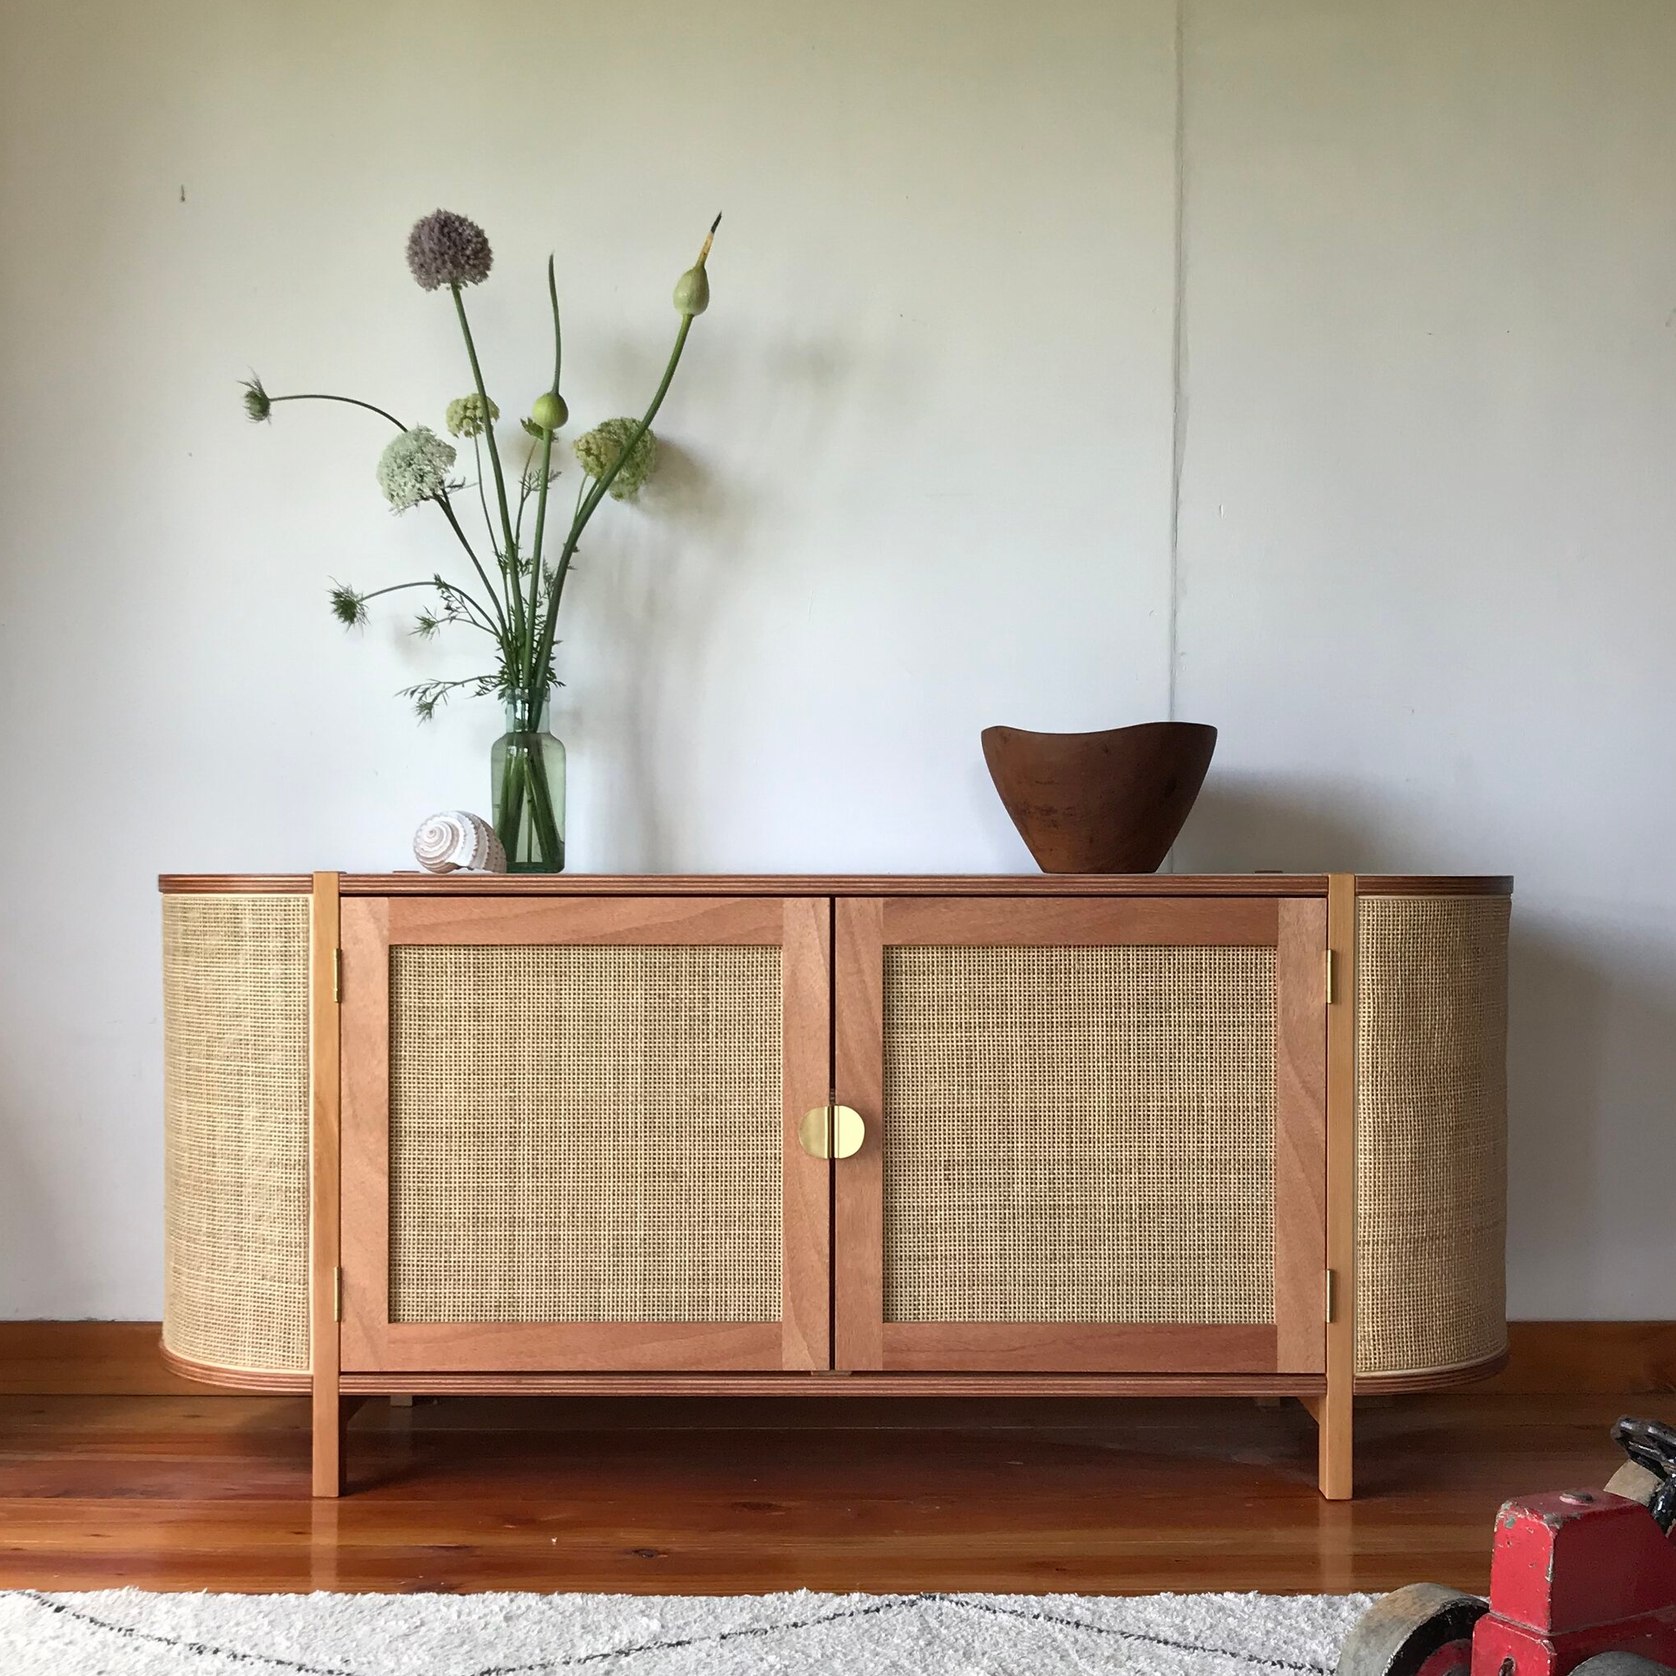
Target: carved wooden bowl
point(1110, 802)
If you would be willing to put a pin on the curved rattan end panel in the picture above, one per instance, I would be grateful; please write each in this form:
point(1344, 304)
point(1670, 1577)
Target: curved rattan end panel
point(1431, 1131)
point(1079, 1134)
point(585, 1133)
point(236, 1114)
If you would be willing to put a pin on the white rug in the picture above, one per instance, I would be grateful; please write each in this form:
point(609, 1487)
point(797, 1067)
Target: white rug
point(124, 1632)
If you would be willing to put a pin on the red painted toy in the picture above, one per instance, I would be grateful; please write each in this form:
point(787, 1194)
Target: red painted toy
point(1580, 1580)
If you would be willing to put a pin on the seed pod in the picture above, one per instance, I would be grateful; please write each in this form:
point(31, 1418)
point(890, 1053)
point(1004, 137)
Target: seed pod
point(692, 289)
point(548, 411)
point(692, 292)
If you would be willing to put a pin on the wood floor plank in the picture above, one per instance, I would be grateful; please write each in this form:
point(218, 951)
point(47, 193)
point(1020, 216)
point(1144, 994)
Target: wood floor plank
point(720, 1495)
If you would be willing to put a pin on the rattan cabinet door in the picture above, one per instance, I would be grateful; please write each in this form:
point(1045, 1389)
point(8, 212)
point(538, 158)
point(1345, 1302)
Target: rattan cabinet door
point(569, 1134)
point(1095, 1135)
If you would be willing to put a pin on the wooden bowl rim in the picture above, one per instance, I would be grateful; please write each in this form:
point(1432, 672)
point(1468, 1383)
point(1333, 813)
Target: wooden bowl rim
point(999, 728)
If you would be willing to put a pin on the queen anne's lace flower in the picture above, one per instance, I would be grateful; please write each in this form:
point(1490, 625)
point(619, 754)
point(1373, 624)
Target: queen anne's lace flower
point(599, 449)
point(414, 467)
point(465, 415)
point(447, 249)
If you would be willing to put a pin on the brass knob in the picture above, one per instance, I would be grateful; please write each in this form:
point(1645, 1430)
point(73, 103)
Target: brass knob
point(831, 1132)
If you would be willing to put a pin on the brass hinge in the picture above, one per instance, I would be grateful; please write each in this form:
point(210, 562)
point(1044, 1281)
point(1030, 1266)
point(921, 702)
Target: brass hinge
point(337, 1294)
point(337, 974)
point(1330, 977)
point(1331, 1290)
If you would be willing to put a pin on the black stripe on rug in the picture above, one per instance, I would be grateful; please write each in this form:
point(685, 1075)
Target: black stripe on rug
point(676, 1644)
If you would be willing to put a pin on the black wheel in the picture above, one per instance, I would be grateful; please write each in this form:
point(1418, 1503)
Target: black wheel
point(1413, 1629)
point(1621, 1664)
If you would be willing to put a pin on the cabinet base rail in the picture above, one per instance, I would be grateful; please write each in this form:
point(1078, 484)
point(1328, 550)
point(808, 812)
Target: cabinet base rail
point(1331, 1409)
point(816, 1384)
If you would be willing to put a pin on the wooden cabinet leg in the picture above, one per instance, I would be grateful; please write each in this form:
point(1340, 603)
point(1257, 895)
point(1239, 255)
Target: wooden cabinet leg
point(1335, 1460)
point(1334, 1417)
point(331, 1416)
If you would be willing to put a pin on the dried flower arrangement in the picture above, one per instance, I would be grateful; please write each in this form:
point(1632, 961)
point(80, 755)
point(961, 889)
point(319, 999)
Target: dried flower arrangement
point(516, 596)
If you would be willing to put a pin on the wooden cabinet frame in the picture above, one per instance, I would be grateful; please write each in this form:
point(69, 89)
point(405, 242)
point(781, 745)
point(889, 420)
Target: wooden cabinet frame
point(1293, 1344)
point(372, 1344)
point(832, 934)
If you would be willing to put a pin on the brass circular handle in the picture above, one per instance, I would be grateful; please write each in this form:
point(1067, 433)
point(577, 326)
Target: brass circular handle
point(831, 1132)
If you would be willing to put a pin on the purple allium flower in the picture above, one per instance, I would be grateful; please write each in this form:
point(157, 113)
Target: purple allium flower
point(446, 249)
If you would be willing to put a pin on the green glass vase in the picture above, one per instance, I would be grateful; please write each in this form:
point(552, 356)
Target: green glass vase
point(526, 769)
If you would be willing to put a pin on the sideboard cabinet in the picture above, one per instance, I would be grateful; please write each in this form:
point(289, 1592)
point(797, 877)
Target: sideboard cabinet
point(1237, 1135)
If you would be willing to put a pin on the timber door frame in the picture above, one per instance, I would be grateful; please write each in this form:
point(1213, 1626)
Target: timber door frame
point(371, 1343)
point(1295, 1343)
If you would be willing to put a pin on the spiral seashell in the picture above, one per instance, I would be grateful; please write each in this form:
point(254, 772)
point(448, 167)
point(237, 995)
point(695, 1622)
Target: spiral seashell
point(458, 840)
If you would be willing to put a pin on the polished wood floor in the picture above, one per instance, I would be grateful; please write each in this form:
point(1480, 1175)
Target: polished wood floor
point(685, 1496)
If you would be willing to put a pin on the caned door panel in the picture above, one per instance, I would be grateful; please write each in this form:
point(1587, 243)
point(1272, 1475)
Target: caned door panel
point(569, 1134)
point(1095, 1135)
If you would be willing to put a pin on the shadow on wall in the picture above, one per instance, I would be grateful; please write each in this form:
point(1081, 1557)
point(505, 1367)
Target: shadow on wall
point(1272, 822)
point(39, 1257)
point(659, 605)
point(1559, 1006)
point(1593, 1054)
point(1591, 1034)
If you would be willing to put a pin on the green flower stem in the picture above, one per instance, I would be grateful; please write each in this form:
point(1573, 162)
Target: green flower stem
point(510, 564)
point(510, 815)
point(436, 690)
point(507, 640)
point(526, 488)
point(558, 336)
point(394, 588)
point(541, 805)
point(546, 451)
point(544, 648)
point(540, 524)
point(349, 401)
point(525, 793)
point(478, 620)
point(482, 495)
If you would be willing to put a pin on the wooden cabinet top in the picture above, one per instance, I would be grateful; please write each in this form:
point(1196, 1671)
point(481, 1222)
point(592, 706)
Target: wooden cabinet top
point(842, 884)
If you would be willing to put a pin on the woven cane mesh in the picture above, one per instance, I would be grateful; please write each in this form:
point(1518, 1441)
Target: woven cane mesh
point(585, 1134)
point(235, 1101)
point(1079, 1134)
point(1431, 1127)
